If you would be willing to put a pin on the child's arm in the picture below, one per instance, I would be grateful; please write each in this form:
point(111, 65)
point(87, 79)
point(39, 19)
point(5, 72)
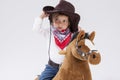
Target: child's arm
point(37, 26)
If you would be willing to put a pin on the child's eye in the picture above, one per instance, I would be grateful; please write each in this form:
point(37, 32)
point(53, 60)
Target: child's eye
point(56, 19)
point(64, 21)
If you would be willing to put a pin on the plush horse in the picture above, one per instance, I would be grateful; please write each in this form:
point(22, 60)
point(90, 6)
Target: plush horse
point(78, 54)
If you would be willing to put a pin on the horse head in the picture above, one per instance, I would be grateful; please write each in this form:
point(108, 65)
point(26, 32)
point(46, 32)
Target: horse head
point(83, 48)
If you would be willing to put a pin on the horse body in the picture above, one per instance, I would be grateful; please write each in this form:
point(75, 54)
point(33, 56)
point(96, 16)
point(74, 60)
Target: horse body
point(74, 69)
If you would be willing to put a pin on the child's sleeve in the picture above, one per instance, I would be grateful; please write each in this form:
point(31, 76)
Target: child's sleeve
point(39, 28)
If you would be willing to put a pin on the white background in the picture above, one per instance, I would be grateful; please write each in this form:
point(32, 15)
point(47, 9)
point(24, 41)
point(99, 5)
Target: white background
point(23, 54)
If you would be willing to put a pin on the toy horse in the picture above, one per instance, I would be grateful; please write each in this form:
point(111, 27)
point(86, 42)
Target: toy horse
point(78, 54)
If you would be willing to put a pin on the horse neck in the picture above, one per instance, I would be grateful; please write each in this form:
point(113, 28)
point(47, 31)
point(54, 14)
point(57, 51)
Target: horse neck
point(71, 62)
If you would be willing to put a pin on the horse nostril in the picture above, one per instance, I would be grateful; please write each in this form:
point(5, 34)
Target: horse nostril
point(94, 56)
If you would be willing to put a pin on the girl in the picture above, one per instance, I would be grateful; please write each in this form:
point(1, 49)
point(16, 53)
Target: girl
point(64, 24)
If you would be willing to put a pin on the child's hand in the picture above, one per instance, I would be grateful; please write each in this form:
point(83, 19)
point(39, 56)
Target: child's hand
point(44, 15)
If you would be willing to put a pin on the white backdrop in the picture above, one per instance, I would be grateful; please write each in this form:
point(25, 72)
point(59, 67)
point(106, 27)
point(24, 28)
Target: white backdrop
point(23, 54)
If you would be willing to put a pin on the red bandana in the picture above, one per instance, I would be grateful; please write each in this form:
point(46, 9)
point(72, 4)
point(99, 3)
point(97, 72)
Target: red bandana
point(62, 44)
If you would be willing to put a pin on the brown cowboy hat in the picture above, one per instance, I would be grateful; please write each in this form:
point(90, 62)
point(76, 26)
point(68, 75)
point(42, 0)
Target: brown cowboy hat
point(66, 8)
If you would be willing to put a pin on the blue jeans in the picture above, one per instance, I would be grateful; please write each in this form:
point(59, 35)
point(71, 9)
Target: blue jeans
point(49, 72)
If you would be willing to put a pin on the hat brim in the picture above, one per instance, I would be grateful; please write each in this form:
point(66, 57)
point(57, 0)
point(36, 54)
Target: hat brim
point(64, 12)
point(48, 8)
point(51, 10)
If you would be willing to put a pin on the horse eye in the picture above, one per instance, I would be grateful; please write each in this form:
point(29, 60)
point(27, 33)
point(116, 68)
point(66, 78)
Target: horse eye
point(79, 46)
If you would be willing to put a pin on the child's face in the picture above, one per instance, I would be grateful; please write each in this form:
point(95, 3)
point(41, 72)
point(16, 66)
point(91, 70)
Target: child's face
point(60, 22)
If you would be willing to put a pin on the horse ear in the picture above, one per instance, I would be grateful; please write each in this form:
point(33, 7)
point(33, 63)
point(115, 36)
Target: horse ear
point(92, 35)
point(81, 34)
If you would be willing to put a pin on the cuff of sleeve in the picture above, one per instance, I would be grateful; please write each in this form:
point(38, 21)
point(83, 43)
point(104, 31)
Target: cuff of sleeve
point(38, 20)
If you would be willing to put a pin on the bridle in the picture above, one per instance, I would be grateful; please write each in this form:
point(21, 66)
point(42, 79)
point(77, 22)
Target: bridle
point(83, 54)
